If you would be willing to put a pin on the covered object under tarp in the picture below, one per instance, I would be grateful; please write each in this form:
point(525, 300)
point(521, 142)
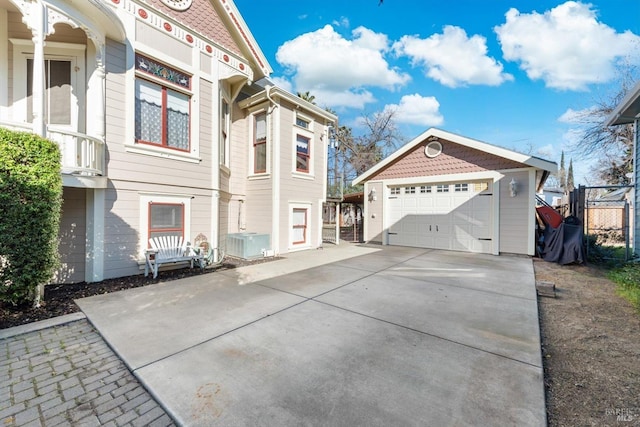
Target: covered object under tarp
point(563, 244)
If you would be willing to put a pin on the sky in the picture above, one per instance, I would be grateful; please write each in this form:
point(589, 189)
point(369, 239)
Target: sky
point(511, 73)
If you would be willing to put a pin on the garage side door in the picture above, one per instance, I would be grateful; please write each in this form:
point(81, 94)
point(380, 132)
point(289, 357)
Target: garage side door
point(452, 216)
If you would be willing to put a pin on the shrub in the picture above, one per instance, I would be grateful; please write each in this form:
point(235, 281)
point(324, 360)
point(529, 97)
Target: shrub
point(30, 201)
point(627, 278)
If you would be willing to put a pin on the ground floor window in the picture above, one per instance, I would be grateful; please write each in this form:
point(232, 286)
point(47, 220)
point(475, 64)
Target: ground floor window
point(299, 230)
point(164, 215)
point(166, 219)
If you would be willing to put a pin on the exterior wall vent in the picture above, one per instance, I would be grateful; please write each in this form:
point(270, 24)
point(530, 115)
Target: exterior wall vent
point(248, 245)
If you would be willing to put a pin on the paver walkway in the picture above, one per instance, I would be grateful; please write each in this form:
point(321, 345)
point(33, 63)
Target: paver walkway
point(67, 375)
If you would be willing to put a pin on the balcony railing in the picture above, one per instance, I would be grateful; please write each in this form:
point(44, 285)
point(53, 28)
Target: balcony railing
point(81, 154)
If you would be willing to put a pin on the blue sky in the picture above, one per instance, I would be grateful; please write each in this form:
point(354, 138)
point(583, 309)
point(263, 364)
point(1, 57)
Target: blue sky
point(510, 73)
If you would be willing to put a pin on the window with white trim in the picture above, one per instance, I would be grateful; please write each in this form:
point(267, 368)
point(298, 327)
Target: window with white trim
point(162, 112)
point(164, 215)
point(299, 226)
point(260, 143)
point(225, 125)
point(395, 191)
point(461, 188)
point(409, 190)
point(425, 189)
point(442, 188)
point(303, 153)
point(166, 219)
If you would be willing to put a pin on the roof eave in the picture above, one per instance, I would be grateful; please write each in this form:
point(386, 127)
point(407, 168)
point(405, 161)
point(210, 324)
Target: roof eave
point(622, 114)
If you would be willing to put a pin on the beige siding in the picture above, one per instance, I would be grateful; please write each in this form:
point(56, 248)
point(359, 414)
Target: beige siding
point(373, 213)
point(72, 233)
point(297, 188)
point(155, 39)
point(514, 214)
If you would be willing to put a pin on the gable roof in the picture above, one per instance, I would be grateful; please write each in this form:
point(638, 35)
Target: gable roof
point(221, 23)
point(524, 159)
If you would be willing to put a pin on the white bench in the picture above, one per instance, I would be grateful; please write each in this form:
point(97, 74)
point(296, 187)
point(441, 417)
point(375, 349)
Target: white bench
point(169, 250)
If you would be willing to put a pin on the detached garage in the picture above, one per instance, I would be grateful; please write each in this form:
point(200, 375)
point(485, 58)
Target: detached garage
point(446, 191)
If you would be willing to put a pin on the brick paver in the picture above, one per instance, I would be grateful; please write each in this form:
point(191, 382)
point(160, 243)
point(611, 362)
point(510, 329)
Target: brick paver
point(67, 375)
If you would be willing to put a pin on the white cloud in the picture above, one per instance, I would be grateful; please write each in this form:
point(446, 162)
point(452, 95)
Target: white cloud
point(335, 69)
point(546, 152)
point(453, 59)
point(282, 83)
point(566, 47)
point(417, 110)
point(342, 22)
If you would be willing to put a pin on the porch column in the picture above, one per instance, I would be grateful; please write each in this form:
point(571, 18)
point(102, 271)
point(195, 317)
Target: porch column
point(96, 88)
point(39, 26)
point(94, 262)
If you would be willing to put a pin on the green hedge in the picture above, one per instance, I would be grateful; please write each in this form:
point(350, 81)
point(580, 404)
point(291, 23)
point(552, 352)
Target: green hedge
point(30, 202)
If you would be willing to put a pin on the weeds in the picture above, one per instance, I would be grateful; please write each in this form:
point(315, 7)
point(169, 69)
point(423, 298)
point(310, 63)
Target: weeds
point(627, 277)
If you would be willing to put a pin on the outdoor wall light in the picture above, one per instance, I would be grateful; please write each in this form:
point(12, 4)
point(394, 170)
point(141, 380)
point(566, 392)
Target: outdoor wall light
point(372, 195)
point(513, 188)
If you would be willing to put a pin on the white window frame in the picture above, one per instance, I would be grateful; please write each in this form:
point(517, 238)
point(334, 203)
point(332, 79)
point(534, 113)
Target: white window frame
point(174, 199)
point(251, 140)
point(75, 53)
point(305, 132)
point(130, 145)
point(307, 244)
point(225, 125)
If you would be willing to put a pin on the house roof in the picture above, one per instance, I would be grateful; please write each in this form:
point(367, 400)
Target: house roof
point(268, 91)
point(535, 162)
point(627, 110)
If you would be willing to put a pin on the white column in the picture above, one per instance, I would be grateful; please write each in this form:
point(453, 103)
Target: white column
point(39, 26)
point(95, 123)
point(95, 208)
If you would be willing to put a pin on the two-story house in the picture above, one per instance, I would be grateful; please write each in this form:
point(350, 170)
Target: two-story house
point(167, 124)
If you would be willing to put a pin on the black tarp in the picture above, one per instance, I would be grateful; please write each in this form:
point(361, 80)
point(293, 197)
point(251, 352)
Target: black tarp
point(564, 244)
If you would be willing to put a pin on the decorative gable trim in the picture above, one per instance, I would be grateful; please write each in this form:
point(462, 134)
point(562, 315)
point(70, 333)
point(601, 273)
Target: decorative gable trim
point(156, 19)
point(434, 134)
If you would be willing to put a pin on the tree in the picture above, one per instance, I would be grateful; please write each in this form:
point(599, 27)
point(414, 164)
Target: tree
point(307, 97)
point(562, 174)
point(570, 182)
point(612, 145)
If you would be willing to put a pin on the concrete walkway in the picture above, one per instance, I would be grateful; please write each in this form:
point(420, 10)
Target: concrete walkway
point(348, 335)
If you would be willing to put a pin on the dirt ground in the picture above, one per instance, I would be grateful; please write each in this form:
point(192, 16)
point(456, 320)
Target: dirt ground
point(590, 340)
point(590, 348)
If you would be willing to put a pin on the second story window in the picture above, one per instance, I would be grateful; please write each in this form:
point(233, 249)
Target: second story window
point(224, 131)
point(162, 114)
point(260, 143)
point(302, 153)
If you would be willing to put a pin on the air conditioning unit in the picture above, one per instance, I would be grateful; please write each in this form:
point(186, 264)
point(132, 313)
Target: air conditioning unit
point(248, 245)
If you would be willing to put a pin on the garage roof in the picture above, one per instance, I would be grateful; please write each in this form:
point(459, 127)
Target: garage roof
point(535, 162)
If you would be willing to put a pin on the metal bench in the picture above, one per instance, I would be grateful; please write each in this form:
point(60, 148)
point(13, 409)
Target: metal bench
point(169, 250)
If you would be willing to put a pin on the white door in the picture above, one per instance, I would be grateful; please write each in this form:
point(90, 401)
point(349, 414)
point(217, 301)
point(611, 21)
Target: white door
point(452, 216)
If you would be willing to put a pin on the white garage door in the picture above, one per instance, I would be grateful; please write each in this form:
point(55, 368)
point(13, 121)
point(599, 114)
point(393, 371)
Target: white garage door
point(456, 216)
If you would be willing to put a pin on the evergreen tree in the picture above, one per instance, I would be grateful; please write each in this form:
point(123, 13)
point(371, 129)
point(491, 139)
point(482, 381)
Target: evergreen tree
point(570, 181)
point(562, 175)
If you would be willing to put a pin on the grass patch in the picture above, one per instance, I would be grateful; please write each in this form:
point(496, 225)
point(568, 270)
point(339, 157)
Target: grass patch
point(627, 277)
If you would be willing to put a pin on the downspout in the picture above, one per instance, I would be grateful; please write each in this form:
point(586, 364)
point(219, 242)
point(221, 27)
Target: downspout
point(275, 175)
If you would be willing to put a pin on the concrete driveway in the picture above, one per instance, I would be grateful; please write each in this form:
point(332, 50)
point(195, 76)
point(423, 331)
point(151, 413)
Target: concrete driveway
point(349, 335)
